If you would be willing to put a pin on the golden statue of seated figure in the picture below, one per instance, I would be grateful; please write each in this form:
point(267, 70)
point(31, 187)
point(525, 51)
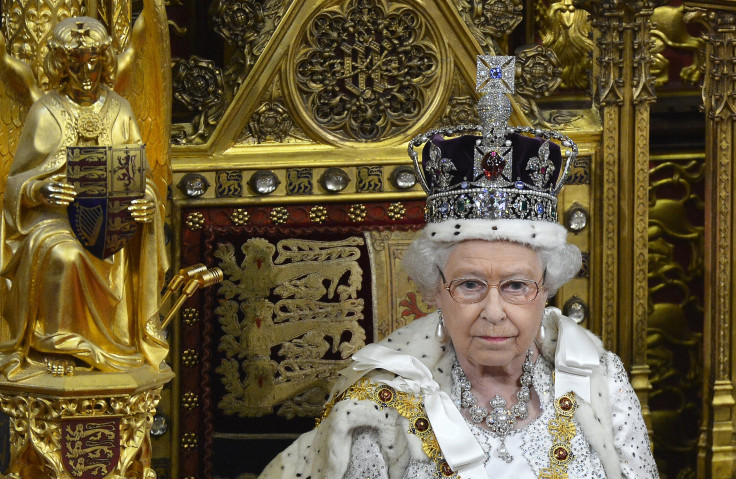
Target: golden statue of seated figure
point(64, 307)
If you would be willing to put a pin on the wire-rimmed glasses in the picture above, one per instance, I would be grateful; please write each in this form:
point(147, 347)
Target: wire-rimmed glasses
point(474, 290)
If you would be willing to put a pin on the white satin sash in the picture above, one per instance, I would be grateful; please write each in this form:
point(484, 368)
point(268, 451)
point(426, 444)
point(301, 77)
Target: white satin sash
point(575, 359)
point(462, 452)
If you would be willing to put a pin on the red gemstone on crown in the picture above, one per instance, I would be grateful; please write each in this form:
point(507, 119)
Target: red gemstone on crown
point(492, 164)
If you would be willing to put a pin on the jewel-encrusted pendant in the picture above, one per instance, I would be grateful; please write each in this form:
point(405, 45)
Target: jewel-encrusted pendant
point(499, 420)
point(503, 453)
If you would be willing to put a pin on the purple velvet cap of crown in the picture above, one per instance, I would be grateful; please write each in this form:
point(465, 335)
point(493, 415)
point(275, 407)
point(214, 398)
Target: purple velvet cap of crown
point(522, 211)
point(461, 151)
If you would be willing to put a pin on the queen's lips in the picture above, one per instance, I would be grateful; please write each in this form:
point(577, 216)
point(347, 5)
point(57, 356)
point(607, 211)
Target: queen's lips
point(495, 339)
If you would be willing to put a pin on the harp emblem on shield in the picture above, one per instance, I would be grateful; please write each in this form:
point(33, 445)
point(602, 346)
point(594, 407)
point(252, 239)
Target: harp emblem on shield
point(107, 179)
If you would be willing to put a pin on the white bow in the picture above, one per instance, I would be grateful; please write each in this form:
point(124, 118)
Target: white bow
point(575, 359)
point(462, 452)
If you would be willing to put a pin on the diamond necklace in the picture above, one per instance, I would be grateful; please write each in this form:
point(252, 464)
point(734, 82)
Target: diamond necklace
point(499, 420)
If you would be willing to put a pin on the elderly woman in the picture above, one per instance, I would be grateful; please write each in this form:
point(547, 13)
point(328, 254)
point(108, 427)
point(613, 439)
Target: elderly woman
point(504, 387)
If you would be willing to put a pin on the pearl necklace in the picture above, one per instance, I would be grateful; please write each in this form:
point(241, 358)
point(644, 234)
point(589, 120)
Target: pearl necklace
point(499, 419)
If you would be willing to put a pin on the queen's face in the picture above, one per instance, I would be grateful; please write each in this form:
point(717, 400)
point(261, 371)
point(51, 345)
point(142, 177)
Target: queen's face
point(492, 333)
point(85, 73)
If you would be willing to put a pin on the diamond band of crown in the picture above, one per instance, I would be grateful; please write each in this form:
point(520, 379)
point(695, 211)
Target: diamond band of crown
point(491, 203)
point(491, 189)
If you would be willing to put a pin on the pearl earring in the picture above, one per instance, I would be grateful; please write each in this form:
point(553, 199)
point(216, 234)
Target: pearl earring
point(542, 335)
point(440, 333)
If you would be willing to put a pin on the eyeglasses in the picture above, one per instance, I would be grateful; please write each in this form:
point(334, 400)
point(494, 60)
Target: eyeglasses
point(513, 291)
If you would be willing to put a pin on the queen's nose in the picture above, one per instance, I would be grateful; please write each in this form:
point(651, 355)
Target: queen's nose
point(493, 306)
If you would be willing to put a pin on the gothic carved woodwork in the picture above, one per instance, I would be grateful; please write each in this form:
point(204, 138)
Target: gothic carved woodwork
point(248, 26)
point(676, 304)
point(460, 109)
point(199, 85)
point(491, 21)
point(538, 75)
point(716, 444)
point(565, 29)
point(272, 121)
point(669, 31)
point(624, 91)
point(206, 88)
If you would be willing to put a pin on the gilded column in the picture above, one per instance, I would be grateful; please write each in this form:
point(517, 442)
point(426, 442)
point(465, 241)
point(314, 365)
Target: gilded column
point(716, 446)
point(624, 91)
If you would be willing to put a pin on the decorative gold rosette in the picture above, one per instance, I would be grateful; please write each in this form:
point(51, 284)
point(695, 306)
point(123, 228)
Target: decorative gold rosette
point(89, 125)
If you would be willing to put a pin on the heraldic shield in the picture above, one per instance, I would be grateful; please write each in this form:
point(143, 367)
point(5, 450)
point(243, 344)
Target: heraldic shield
point(90, 447)
point(107, 179)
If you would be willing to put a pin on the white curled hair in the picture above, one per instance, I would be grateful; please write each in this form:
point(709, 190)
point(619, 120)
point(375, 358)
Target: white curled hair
point(426, 256)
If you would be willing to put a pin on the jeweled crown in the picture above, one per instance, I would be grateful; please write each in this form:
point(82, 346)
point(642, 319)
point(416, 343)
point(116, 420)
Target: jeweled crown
point(503, 173)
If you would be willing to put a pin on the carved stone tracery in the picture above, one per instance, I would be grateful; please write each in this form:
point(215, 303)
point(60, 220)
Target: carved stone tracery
point(205, 88)
point(366, 71)
point(491, 21)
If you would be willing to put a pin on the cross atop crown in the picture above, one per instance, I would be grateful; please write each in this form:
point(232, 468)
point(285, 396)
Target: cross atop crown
point(495, 79)
point(495, 74)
